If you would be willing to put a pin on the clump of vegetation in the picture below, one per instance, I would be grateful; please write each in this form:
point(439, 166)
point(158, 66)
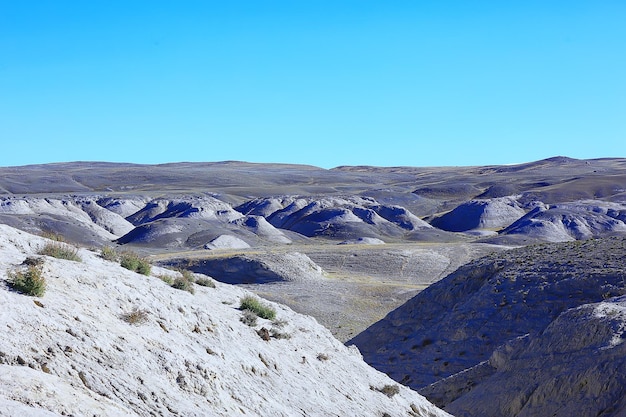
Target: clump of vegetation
point(254, 305)
point(30, 282)
point(135, 317)
point(133, 262)
point(53, 236)
point(202, 280)
point(109, 253)
point(205, 282)
point(60, 250)
point(184, 284)
point(168, 279)
point(388, 390)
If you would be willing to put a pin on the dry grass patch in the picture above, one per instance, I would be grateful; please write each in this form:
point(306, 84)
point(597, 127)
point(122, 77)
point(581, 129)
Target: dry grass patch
point(109, 253)
point(60, 250)
point(135, 317)
point(133, 262)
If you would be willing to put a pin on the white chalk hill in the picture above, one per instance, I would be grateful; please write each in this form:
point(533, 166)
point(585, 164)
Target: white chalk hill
point(71, 352)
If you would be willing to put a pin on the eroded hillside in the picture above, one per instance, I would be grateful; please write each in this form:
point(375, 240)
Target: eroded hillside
point(510, 313)
point(113, 342)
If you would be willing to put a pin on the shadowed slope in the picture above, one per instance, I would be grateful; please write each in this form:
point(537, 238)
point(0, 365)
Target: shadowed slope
point(459, 321)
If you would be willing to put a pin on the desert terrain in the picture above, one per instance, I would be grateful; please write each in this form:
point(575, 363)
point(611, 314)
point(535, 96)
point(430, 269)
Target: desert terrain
point(443, 277)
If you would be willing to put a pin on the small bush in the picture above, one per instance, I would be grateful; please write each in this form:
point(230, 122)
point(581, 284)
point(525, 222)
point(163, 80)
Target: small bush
point(205, 282)
point(31, 282)
point(60, 250)
point(135, 317)
point(182, 283)
point(109, 253)
point(133, 262)
point(168, 279)
point(254, 305)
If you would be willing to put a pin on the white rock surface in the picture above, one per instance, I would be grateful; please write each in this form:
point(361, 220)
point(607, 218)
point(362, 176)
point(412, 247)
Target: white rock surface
point(226, 242)
point(71, 353)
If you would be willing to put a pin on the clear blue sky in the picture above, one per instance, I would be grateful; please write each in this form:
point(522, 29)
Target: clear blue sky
point(318, 82)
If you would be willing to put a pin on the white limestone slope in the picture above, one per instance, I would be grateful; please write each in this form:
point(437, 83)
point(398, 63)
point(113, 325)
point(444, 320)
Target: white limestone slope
point(71, 353)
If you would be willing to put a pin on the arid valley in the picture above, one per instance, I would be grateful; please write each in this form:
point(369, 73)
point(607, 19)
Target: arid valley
point(396, 291)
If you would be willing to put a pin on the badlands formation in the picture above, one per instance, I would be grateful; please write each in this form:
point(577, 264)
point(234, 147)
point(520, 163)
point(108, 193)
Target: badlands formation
point(492, 290)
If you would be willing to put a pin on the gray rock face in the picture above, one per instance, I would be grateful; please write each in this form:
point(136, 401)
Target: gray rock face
point(575, 366)
point(459, 321)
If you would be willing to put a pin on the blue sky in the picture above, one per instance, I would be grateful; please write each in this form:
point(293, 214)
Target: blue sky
point(326, 83)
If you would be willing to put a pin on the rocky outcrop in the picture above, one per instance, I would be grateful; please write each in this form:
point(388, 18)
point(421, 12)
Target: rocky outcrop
point(575, 366)
point(461, 320)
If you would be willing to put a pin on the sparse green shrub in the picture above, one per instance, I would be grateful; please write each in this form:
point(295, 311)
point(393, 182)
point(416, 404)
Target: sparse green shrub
point(109, 253)
point(168, 279)
point(184, 284)
point(31, 282)
point(254, 305)
point(60, 250)
point(133, 262)
point(135, 317)
point(205, 282)
point(187, 274)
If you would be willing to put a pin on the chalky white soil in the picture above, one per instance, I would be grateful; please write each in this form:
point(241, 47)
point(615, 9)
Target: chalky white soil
point(71, 352)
